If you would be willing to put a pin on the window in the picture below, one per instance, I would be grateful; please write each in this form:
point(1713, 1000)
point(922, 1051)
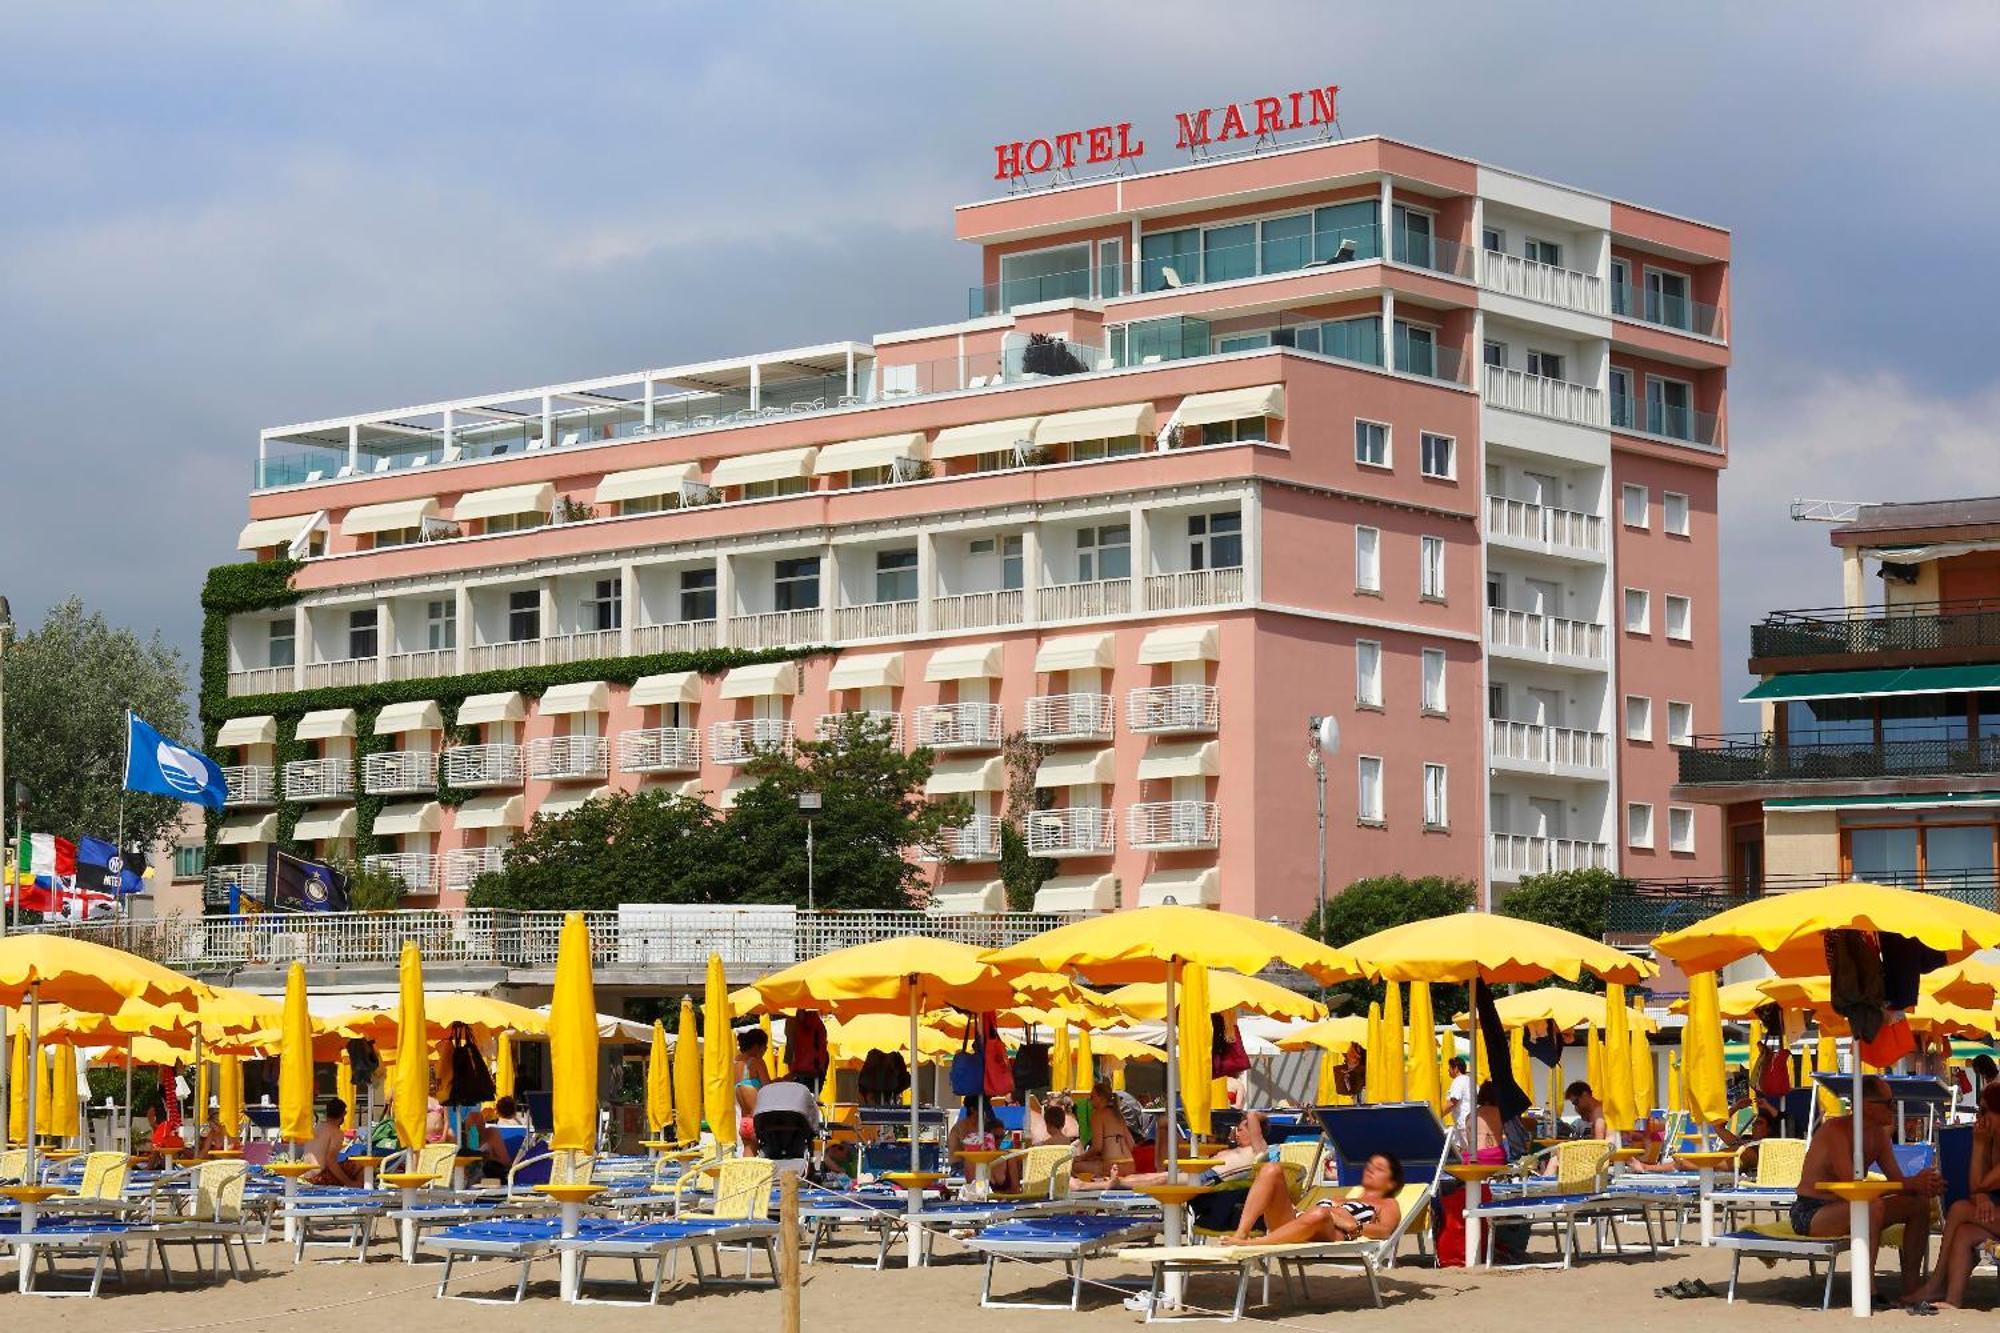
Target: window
point(795, 585)
point(1638, 717)
point(1371, 443)
point(441, 624)
point(1680, 828)
point(1638, 611)
point(1633, 502)
point(515, 522)
point(1089, 451)
point(1416, 349)
point(605, 607)
point(189, 862)
point(1674, 513)
point(1436, 815)
point(1669, 408)
point(1638, 825)
point(1111, 268)
point(1412, 234)
point(1680, 722)
point(1104, 553)
point(1170, 259)
point(862, 477)
point(361, 636)
point(1494, 354)
point(1358, 339)
point(1284, 244)
point(896, 575)
point(647, 504)
point(281, 649)
point(770, 490)
point(1367, 673)
point(1542, 252)
point(1215, 541)
point(396, 537)
point(524, 615)
point(1679, 614)
point(1343, 232)
point(1434, 696)
point(1044, 275)
point(1667, 298)
point(1494, 239)
point(1368, 789)
point(1232, 432)
point(1229, 252)
point(1367, 560)
point(1624, 412)
point(697, 594)
point(1548, 365)
point(1010, 563)
point(1621, 287)
point(1437, 455)
point(1431, 567)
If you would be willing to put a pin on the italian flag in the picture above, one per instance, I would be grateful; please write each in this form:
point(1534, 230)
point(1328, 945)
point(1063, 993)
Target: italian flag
point(45, 867)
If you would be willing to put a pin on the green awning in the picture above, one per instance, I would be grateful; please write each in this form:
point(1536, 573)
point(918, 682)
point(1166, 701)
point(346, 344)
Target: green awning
point(1898, 801)
point(1861, 684)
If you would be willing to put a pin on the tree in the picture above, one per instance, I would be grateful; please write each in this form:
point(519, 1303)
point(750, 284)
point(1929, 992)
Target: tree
point(654, 847)
point(1022, 873)
point(372, 888)
point(68, 685)
point(1572, 900)
point(1382, 901)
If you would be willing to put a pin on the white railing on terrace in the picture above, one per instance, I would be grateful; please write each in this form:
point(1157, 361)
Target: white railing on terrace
point(1077, 831)
point(1165, 825)
point(875, 620)
point(681, 636)
point(504, 656)
point(421, 665)
point(1553, 636)
point(1192, 588)
point(831, 726)
point(463, 865)
point(496, 764)
point(417, 870)
point(583, 646)
point(778, 629)
point(1516, 854)
point(978, 839)
point(978, 610)
point(569, 758)
point(966, 726)
point(1515, 276)
point(1558, 747)
point(319, 779)
point(250, 784)
point(1084, 601)
point(1579, 404)
point(1557, 528)
point(739, 741)
point(399, 772)
point(1164, 710)
point(1071, 717)
point(659, 750)
point(351, 671)
point(261, 680)
point(247, 877)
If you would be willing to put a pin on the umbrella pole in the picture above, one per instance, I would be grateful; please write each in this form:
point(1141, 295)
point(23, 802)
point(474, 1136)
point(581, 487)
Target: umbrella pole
point(1860, 1259)
point(128, 1094)
point(1469, 1149)
point(1174, 1283)
point(31, 1176)
point(914, 1195)
point(6, 1071)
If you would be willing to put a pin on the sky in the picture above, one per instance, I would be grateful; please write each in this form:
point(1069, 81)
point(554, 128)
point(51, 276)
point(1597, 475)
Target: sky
point(230, 216)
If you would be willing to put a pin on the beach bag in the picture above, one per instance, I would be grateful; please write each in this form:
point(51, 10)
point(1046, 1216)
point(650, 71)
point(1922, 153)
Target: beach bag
point(1891, 1042)
point(1230, 1058)
point(471, 1081)
point(1031, 1066)
point(968, 1068)
point(999, 1073)
point(805, 1044)
point(362, 1059)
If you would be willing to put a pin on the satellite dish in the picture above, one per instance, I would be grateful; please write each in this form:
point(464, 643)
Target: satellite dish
point(1326, 736)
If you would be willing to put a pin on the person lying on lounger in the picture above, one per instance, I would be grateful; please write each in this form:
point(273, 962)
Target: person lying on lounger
point(1371, 1213)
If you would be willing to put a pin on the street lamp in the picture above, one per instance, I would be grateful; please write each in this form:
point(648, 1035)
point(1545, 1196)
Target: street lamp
point(809, 805)
point(1322, 743)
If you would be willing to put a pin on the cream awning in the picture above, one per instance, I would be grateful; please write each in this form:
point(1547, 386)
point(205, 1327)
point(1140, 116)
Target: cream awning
point(409, 817)
point(1199, 409)
point(1076, 770)
point(326, 724)
point(672, 687)
point(875, 451)
point(261, 532)
point(985, 437)
point(324, 825)
point(536, 498)
point(1181, 759)
point(778, 465)
point(411, 715)
point(1180, 643)
point(391, 517)
point(754, 682)
point(867, 671)
point(953, 776)
point(480, 709)
point(740, 783)
point(262, 730)
point(645, 483)
point(960, 901)
point(495, 811)
point(565, 802)
point(579, 696)
point(238, 830)
point(1188, 888)
point(1077, 893)
point(1075, 652)
point(964, 661)
point(1096, 423)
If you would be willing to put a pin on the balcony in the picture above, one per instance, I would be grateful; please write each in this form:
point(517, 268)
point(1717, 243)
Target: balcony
point(421, 665)
point(978, 839)
point(1668, 312)
point(741, 741)
point(1548, 639)
point(1056, 718)
point(418, 871)
point(399, 773)
point(1668, 421)
point(583, 646)
point(778, 629)
point(1512, 275)
point(261, 680)
point(1192, 589)
point(504, 656)
point(1084, 601)
point(1641, 909)
point(319, 780)
point(660, 750)
point(491, 765)
point(1077, 831)
point(1173, 710)
point(1912, 634)
point(350, 671)
point(875, 620)
point(1754, 758)
point(978, 610)
point(832, 727)
point(1560, 751)
point(218, 879)
point(466, 864)
point(966, 726)
point(1538, 395)
point(1546, 531)
point(1426, 358)
point(569, 758)
point(1513, 855)
point(250, 784)
point(680, 636)
point(997, 298)
point(1167, 826)
point(1422, 250)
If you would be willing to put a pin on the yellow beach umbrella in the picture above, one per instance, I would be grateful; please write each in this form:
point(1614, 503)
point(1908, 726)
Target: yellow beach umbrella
point(1788, 930)
point(229, 1094)
point(295, 1062)
point(687, 1075)
point(1059, 1058)
point(848, 1040)
point(1373, 1082)
point(59, 969)
point(1333, 1034)
point(659, 1084)
point(1645, 1075)
point(1826, 1055)
point(1393, 1036)
point(1084, 1076)
point(503, 1066)
point(1119, 1050)
point(1421, 1084)
point(17, 1091)
point(883, 976)
point(718, 1048)
point(1703, 1078)
point(1620, 1108)
point(1972, 983)
point(1494, 948)
point(1517, 1060)
point(343, 1088)
point(413, 1057)
point(1228, 992)
point(1196, 1053)
point(1326, 1089)
point(573, 1041)
point(1559, 1007)
point(774, 1050)
point(203, 1088)
point(1593, 1061)
point(65, 1116)
point(45, 1097)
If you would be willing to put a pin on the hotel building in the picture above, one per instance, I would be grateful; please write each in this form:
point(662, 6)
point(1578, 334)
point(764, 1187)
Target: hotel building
point(1349, 427)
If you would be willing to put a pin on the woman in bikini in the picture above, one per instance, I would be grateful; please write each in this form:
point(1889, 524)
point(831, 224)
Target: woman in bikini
point(1371, 1213)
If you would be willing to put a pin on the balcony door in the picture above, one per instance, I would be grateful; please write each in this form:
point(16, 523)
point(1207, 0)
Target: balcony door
point(1539, 488)
point(1545, 817)
point(1544, 597)
point(1545, 707)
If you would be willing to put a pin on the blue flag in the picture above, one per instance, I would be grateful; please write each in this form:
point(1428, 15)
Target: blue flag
point(155, 764)
point(101, 868)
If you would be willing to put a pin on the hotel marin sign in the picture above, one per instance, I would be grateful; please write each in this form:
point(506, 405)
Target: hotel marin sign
point(1198, 131)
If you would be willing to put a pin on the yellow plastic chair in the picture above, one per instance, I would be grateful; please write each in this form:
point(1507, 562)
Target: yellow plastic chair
point(1780, 1162)
point(13, 1165)
point(214, 1216)
point(104, 1176)
point(742, 1194)
point(1045, 1173)
point(1309, 1155)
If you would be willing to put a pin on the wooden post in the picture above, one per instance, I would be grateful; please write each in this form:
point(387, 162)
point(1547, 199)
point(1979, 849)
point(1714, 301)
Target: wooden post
point(788, 1247)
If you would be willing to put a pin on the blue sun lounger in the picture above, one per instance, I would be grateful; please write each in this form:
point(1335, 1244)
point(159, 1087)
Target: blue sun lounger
point(521, 1240)
point(102, 1240)
point(1067, 1238)
point(662, 1242)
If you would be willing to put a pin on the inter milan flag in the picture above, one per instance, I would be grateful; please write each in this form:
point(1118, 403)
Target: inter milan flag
point(294, 884)
point(101, 868)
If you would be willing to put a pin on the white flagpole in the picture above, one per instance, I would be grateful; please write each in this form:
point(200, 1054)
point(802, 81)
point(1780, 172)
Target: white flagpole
point(118, 853)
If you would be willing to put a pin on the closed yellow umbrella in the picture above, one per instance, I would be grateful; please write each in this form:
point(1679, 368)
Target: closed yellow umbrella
point(718, 1049)
point(573, 1041)
point(1393, 1034)
point(45, 1100)
point(1701, 1053)
point(1826, 1055)
point(503, 1066)
point(1372, 1081)
point(659, 1084)
point(1645, 1077)
point(413, 1052)
point(1517, 1059)
point(774, 1050)
point(1326, 1092)
point(65, 1118)
point(202, 1090)
point(1676, 1100)
point(295, 1062)
point(1423, 1085)
point(1084, 1076)
point(1196, 1053)
point(687, 1075)
point(17, 1090)
point(1059, 1058)
point(1620, 1106)
point(229, 1090)
point(343, 1088)
point(1593, 1062)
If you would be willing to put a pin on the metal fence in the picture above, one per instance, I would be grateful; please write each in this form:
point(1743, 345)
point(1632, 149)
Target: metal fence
point(1764, 758)
point(1910, 628)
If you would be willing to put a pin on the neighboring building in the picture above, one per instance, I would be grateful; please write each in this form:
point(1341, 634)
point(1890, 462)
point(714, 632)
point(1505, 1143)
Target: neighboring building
point(1878, 757)
point(1350, 427)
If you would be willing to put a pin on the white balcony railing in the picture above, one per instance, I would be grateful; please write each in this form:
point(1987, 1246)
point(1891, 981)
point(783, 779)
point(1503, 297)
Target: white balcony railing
point(1194, 588)
point(583, 646)
point(319, 779)
point(492, 765)
point(250, 784)
point(978, 839)
point(1077, 831)
point(465, 864)
point(1538, 746)
point(1071, 717)
point(421, 665)
point(1084, 601)
point(1544, 636)
point(569, 758)
point(1561, 400)
point(504, 656)
point(399, 772)
point(1516, 854)
point(1167, 710)
point(875, 620)
point(260, 680)
point(978, 610)
point(350, 671)
point(680, 636)
point(1516, 276)
point(778, 629)
point(417, 870)
point(659, 750)
point(967, 726)
point(1557, 530)
point(1167, 825)
point(739, 741)
point(831, 726)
